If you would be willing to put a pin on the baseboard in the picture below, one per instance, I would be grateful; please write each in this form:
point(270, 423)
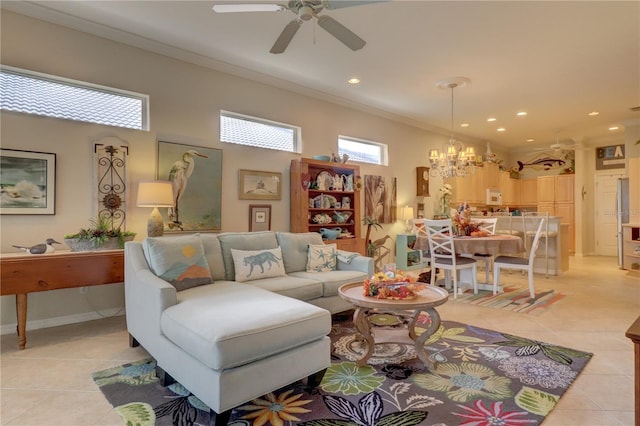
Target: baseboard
point(57, 321)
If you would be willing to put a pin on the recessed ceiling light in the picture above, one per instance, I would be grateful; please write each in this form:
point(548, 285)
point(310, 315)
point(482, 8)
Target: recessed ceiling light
point(353, 80)
point(490, 119)
point(502, 129)
point(613, 128)
point(594, 113)
point(521, 113)
point(530, 140)
point(464, 125)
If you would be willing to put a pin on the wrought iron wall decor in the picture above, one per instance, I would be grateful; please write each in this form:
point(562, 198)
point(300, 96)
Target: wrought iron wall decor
point(111, 183)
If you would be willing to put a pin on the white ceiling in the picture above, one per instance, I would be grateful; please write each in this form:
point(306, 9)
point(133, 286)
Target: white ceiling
point(556, 60)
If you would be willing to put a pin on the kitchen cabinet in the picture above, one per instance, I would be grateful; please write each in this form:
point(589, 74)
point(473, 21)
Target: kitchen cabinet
point(555, 196)
point(463, 190)
point(631, 248)
point(318, 199)
point(528, 192)
point(510, 189)
point(491, 175)
point(472, 189)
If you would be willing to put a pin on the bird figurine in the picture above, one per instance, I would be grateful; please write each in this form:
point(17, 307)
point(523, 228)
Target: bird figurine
point(46, 247)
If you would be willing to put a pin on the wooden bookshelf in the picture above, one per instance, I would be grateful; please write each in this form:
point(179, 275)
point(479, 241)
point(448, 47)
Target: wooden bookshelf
point(309, 199)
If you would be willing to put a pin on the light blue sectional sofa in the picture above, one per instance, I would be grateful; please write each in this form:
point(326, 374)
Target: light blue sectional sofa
point(233, 316)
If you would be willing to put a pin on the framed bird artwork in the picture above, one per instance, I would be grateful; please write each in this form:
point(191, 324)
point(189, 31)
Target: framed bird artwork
point(27, 182)
point(195, 173)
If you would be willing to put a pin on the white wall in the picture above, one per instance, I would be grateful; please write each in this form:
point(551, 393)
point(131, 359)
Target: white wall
point(185, 102)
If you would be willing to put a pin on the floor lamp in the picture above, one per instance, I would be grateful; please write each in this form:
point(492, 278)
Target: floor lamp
point(155, 194)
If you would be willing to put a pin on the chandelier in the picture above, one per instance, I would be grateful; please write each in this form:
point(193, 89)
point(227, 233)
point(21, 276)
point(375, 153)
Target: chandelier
point(454, 160)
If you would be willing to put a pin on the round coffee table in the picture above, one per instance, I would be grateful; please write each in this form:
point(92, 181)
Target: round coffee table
point(426, 301)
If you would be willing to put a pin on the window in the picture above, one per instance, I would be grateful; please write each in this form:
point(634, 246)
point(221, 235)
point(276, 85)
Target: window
point(257, 132)
point(41, 94)
point(362, 150)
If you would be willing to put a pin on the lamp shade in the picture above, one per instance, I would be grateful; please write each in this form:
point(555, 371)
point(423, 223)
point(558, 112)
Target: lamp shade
point(155, 194)
point(407, 213)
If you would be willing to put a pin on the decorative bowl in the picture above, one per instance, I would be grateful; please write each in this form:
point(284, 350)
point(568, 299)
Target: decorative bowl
point(322, 218)
point(330, 234)
point(321, 157)
point(341, 217)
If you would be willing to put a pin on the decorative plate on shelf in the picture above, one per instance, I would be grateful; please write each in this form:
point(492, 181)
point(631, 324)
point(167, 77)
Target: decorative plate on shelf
point(324, 180)
point(325, 201)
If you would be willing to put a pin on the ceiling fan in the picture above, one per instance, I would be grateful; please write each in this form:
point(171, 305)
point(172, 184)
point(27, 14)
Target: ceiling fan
point(559, 147)
point(304, 11)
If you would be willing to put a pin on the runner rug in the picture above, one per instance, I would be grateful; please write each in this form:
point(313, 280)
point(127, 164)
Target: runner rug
point(514, 299)
point(483, 377)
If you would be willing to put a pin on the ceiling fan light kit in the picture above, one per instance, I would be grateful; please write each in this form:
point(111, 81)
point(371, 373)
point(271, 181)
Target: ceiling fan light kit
point(454, 159)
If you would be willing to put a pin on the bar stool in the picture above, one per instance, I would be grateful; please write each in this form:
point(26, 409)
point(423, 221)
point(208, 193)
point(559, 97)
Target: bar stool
point(529, 234)
point(508, 218)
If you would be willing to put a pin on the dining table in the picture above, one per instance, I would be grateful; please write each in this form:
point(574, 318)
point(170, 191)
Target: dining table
point(493, 245)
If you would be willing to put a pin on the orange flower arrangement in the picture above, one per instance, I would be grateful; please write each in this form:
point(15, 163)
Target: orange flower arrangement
point(392, 285)
point(462, 223)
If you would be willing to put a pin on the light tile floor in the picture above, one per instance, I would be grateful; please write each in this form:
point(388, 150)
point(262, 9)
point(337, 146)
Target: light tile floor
point(50, 382)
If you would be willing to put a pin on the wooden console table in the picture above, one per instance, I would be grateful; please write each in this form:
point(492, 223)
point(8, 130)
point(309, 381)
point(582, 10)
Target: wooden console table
point(21, 274)
point(633, 333)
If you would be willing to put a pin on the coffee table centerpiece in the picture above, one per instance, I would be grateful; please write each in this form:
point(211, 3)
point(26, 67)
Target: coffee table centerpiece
point(393, 284)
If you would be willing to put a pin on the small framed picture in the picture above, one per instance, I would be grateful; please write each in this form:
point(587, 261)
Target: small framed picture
point(259, 217)
point(256, 185)
point(28, 182)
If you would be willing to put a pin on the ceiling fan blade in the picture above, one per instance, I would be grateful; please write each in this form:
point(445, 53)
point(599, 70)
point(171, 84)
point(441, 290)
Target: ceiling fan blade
point(285, 36)
point(247, 7)
point(339, 4)
point(342, 33)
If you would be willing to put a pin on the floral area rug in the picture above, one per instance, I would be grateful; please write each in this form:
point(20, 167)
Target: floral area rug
point(482, 378)
point(514, 299)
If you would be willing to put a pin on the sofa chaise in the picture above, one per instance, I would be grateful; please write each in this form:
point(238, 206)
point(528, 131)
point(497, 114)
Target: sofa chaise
point(233, 316)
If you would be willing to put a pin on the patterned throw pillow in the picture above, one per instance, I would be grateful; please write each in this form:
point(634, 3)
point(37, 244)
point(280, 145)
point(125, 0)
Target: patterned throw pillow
point(178, 260)
point(252, 265)
point(321, 258)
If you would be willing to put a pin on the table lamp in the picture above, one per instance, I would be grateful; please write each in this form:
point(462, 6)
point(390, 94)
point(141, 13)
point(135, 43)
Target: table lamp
point(407, 215)
point(155, 194)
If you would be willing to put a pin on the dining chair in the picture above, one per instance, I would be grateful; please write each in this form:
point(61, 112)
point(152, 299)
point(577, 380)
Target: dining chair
point(419, 230)
point(528, 227)
point(519, 263)
point(487, 224)
point(443, 254)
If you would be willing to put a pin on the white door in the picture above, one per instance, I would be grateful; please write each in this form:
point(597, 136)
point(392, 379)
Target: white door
point(606, 215)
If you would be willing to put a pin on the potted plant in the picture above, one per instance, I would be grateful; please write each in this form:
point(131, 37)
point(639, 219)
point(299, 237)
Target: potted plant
point(370, 222)
point(99, 236)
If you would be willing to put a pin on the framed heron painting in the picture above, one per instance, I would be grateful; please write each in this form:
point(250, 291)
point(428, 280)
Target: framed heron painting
point(27, 182)
point(195, 173)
